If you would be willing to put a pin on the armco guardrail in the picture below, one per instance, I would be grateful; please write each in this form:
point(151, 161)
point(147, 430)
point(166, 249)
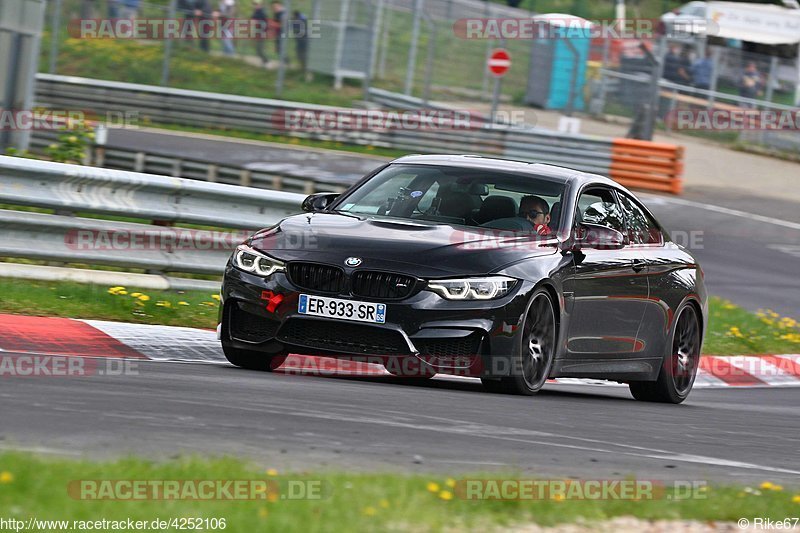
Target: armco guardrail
point(131, 194)
point(165, 164)
point(213, 110)
point(69, 189)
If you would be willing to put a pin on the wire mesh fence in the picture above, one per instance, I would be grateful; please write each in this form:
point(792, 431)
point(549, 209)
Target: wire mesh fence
point(413, 47)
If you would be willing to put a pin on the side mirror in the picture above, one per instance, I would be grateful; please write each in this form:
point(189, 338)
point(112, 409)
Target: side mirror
point(319, 201)
point(598, 237)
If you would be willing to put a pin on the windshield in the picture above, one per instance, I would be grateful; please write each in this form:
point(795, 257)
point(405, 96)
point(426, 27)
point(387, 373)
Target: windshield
point(454, 195)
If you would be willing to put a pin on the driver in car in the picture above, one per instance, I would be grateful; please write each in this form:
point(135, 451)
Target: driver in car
point(536, 211)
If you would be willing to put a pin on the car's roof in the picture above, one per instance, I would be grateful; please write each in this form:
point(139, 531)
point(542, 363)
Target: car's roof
point(563, 174)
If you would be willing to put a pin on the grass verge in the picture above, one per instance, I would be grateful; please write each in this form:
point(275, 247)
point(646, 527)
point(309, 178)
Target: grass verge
point(732, 330)
point(31, 486)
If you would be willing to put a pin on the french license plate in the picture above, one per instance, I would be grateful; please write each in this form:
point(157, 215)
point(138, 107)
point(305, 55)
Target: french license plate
point(342, 309)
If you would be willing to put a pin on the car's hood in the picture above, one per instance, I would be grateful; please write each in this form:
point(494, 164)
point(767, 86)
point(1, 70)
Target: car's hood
point(423, 249)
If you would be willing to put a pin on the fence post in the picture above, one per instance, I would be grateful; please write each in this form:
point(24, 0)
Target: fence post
point(773, 72)
point(55, 26)
point(412, 51)
point(284, 43)
point(171, 14)
point(426, 92)
point(716, 55)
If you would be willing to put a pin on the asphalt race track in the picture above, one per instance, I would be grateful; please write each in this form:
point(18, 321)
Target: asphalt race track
point(301, 422)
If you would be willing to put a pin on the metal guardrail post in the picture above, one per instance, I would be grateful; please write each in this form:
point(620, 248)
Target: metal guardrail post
point(246, 178)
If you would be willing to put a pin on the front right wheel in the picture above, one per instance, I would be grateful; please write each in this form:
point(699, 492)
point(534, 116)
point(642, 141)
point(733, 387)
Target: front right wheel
point(679, 369)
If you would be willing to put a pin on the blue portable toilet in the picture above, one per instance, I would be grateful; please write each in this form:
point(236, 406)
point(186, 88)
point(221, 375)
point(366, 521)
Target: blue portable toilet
point(557, 70)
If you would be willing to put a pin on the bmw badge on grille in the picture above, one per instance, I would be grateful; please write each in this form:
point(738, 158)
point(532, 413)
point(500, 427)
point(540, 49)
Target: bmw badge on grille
point(352, 261)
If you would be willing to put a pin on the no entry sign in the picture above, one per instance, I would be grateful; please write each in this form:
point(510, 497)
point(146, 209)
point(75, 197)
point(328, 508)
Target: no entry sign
point(499, 62)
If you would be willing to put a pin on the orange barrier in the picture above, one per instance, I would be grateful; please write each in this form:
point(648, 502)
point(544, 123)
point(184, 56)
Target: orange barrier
point(647, 165)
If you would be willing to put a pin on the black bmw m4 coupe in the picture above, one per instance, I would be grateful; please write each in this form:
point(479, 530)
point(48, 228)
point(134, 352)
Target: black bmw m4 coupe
point(508, 271)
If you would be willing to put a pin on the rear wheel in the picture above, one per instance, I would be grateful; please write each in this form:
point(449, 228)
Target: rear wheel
point(679, 369)
point(531, 364)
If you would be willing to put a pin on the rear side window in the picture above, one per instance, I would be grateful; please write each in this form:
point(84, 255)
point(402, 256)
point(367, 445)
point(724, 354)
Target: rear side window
point(642, 229)
point(598, 206)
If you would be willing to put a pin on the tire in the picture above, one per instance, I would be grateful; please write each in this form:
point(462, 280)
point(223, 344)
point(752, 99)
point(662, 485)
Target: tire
point(251, 360)
point(679, 369)
point(533, 360)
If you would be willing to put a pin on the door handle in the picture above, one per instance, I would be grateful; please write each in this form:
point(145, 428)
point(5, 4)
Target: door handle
point(638, 265)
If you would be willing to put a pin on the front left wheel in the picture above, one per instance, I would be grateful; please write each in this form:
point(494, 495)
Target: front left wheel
point(533, 360)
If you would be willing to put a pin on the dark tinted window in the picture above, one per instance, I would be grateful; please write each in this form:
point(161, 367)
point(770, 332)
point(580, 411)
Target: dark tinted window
point(642, 229)
point(598, 206)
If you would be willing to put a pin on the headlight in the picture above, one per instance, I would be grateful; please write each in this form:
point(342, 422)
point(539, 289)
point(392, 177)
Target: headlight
point(249, 260)
point(472, 288)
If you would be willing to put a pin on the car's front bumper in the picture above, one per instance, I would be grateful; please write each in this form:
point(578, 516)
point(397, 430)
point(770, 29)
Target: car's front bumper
point(423, 330)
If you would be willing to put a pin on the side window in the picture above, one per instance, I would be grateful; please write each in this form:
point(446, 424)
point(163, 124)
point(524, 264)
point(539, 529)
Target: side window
point(598, 206)
point(642, 229)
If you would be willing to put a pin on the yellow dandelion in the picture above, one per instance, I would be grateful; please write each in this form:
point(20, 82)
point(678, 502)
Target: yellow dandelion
point(215, 296)
point(143, 297)
point(384, 503)
point(767, 485)
point(135, 294)
point(450, 482)
point(272, 497)
point(163, 303)
point(446, 495)
point(433, 487)
point(796, 498)
point(6, 477)
point(369, 511)
point(183, 303)
point(558, 498)
point(272, 472)
point(263, 513)
point(122, 293)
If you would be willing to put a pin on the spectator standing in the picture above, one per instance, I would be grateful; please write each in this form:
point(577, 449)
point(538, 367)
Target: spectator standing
point(261, 22)
point(676, 66)
point(202, 12)
point(87, 9)
point(300, 35)
point(227, 11)
point(279, 13)
point(701, 71)
point(751, 84)
point(130, 9)
point(112, 9)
